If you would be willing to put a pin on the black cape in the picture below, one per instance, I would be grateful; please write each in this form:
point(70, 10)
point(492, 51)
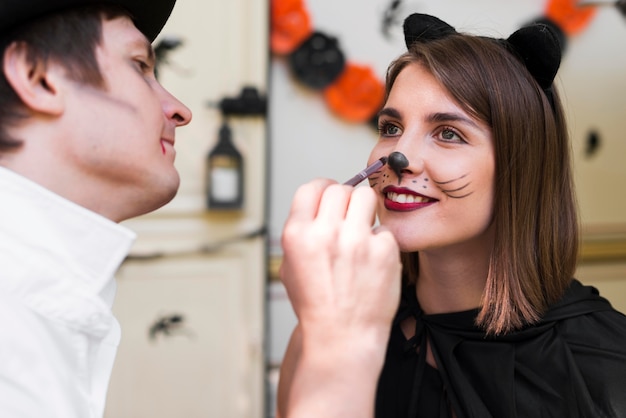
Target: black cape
point(572, 364)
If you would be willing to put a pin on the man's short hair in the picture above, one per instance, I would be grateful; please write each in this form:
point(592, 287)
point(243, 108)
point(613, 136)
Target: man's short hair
point(68, 38)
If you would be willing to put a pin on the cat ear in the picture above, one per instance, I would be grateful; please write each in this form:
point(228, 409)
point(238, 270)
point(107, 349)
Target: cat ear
point(540, 48)
point(423, 28)
point(538, 45)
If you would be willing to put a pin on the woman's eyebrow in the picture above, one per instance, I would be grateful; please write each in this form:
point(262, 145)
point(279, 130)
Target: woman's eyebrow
point(436, 117)
point(391, 112)
point(451, 117)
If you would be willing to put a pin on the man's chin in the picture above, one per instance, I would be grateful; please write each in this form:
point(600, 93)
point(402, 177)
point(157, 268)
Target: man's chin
point(169, 193)
point(160, 196)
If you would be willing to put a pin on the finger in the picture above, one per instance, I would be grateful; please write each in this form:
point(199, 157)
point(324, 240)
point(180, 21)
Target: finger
point(334, 203)
point(380, 229)
point(362, 207)
point(306, 200)
point(381, 235)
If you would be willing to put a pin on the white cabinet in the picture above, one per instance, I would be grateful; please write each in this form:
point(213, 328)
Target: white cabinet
point(211, 363)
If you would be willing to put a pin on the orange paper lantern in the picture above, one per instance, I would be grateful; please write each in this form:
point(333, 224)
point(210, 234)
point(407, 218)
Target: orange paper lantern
point(356, 95)
point(291, 25)
point(570, 17)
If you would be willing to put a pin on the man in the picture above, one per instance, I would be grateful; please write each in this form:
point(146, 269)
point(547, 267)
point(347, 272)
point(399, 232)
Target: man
point(86, 141)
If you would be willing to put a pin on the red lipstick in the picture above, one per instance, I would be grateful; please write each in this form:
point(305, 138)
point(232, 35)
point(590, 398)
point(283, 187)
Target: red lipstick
point(401, 199)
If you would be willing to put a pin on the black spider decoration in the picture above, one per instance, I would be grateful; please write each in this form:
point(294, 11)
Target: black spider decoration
point(166, 325)
point(391, 17)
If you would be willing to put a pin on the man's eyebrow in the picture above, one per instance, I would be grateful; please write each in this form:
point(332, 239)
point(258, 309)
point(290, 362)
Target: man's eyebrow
point(143, 43)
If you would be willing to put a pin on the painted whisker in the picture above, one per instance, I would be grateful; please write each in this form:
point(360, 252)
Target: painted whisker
point(450, 181)
point(449, 192)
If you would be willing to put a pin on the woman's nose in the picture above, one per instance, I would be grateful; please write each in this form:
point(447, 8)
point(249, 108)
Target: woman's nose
point(397, 161)
point(407, 158)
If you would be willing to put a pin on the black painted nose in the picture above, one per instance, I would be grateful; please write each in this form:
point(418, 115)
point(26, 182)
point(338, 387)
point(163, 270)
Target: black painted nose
point(397, 162)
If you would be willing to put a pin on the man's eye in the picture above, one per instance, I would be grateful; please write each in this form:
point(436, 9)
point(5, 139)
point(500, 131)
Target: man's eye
point(142, 64)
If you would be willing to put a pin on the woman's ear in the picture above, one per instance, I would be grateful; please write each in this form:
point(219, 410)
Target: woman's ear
point(38, 85)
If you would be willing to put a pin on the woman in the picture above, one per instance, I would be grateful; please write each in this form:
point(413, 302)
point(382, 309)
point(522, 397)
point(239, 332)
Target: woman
point(478, 194)
point(490, 241)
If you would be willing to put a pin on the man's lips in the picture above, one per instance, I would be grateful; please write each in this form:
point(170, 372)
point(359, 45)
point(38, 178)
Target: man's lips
point(402, 199)
point(166, 141)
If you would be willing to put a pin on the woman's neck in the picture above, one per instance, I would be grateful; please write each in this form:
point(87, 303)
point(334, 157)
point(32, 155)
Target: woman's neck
point(451, 281)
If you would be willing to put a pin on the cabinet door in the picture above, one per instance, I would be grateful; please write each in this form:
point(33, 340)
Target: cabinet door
point(191, 338)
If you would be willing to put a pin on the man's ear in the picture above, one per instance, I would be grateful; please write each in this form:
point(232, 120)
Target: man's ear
point(38, 85)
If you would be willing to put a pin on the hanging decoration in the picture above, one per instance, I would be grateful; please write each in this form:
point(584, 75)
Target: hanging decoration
point(318, 61)
point(620, 5)
point(225, 165)
point(356, 94)
point(224, 173)
point(291, 25)
point(571, 17)
point(352, 91)
point(391, 17)
point(162, 49)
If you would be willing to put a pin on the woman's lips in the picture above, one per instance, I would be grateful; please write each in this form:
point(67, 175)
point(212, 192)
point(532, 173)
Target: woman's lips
point(401, 199)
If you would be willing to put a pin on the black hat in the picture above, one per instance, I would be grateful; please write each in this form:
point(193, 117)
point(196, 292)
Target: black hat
point(149, 15)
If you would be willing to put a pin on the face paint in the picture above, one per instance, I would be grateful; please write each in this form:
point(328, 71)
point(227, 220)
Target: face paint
point(397, 162)
point(455, 191)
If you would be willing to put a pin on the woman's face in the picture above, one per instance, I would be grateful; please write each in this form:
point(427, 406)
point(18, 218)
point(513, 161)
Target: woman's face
point(444, 197)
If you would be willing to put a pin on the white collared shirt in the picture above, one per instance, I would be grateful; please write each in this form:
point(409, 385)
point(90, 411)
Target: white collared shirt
point(58, 337)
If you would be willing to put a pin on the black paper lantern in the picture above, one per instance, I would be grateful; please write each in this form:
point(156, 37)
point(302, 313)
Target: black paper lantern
point(318, 61)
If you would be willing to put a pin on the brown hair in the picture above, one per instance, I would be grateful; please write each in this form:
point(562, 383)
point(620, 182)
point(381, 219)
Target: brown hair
point(69, 38)
point(536, 224)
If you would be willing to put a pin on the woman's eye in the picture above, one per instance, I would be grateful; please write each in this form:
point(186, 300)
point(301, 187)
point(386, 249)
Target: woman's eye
point(450, 135)
point(388, 129)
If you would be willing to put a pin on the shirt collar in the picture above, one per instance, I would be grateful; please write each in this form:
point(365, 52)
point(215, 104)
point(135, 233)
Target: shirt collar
point(87, 244)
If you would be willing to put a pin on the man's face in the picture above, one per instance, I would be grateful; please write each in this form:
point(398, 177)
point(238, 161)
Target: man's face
point(123, 136)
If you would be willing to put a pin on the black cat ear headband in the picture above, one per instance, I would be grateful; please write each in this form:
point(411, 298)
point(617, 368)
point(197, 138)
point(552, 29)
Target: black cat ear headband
point(538, 45)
